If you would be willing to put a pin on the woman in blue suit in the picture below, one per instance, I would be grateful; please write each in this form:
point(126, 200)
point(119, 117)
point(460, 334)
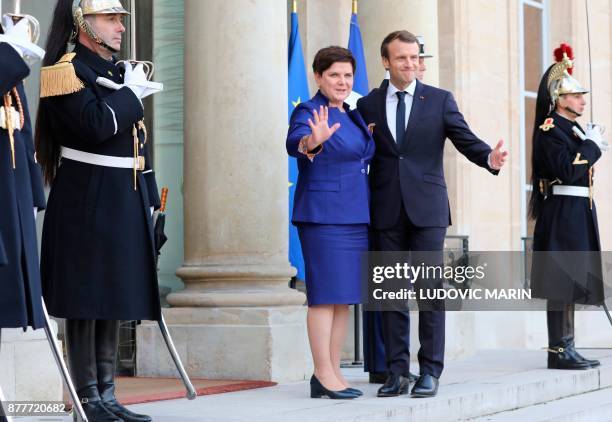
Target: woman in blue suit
point(331, 211)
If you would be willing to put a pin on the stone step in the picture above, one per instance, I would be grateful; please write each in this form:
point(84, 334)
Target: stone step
point(594, 406)
point(488, 383)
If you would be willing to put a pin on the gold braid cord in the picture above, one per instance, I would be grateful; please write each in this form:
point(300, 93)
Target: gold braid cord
point(139, 161)
point(135, 135)
point(8, 110)
point(591, 187)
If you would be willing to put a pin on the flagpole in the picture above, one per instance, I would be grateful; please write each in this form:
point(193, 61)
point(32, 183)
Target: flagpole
point(294, 10)
point(357, 309)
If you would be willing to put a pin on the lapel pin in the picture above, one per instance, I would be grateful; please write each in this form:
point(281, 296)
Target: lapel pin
point(421, 97)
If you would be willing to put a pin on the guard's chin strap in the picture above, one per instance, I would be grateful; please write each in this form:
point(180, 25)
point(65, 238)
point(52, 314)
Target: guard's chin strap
point(572, 111)
point(108, 47)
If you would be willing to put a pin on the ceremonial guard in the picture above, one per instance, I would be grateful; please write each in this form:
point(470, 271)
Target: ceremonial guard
point(566, 261)
point(21, 187)
point(97, 259)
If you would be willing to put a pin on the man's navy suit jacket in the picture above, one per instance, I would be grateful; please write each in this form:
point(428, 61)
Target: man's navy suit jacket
point(414, 173)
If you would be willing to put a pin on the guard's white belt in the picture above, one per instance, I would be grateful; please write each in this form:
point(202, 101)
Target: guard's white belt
point(99, 160)
point(582, 191)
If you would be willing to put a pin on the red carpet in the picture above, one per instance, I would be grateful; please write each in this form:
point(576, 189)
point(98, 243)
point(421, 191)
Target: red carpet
point(132, 390)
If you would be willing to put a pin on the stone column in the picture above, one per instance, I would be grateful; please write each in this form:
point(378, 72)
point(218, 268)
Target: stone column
point(322, 23)
point(377, 19)
point(236, 318)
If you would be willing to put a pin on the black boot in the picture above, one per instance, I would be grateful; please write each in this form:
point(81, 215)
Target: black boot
point(561, 352)
point(80, 345)
point(593, 363)
point(107, 342)
point(560, 357)
point(569, 323)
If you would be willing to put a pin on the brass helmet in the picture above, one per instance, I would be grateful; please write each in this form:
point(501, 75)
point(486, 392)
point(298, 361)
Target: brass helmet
point(100, 7)
point(82, 8)
point(560, 80)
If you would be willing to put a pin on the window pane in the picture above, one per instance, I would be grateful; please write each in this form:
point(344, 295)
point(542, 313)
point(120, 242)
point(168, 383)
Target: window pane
point(530, 104)
point(533, 47)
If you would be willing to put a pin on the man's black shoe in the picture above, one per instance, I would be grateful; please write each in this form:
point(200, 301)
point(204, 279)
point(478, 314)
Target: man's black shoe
point(395, 385)
point(426, 386)
point(378, 377)
point(381, 377)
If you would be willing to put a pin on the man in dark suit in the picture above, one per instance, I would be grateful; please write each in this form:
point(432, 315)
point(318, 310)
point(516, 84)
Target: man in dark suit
point(374, 360)
point(409, 201)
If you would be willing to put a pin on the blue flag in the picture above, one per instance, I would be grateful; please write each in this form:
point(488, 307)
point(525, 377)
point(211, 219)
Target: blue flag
point(298, 92)
point(360, 83)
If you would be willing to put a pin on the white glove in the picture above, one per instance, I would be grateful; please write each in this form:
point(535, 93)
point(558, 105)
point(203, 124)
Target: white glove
point(135, 79)
point(17, 35)
point(151, 209)
point(595, 133)
point(35, 212)
point(152, 88)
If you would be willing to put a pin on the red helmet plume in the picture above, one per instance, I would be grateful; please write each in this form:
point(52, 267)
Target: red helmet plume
point(564, 48)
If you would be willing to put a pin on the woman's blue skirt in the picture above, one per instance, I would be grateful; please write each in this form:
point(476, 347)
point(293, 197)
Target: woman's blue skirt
point(333, 255)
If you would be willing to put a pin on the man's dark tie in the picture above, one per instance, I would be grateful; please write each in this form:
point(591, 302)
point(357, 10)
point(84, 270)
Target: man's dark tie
point(400, 118)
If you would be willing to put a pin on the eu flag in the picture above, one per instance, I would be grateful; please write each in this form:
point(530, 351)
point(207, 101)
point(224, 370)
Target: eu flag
point(360, 83)
point(298, 92)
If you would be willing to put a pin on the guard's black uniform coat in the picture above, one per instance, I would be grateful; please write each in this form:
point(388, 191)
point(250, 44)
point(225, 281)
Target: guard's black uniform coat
point(566, 223)
point(21, 189)
point(97, 247)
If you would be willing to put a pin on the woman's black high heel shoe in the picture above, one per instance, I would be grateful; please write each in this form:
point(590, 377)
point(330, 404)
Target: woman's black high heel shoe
point(317, 390)
point(355, 391)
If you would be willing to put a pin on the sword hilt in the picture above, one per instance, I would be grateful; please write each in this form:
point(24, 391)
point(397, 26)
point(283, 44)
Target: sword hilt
point(33, 25)
point(164, 199)
point(148, 67)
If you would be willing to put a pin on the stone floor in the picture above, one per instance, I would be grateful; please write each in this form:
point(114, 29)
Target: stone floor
point(489, 386)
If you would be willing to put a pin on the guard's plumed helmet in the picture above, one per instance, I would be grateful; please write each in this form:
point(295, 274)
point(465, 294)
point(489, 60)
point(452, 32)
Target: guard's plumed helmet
point(422, 53)
point(82, 8)
point(560, 80)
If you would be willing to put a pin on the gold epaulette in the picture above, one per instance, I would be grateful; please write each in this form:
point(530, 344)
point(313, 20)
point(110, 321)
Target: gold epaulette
point(548, 124)
point(60, 78)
